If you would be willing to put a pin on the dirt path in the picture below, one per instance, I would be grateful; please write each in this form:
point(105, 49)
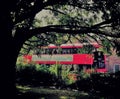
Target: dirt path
point(38, 91)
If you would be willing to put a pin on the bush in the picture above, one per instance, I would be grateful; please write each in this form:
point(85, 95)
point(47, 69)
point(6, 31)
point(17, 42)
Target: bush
point(31, 74)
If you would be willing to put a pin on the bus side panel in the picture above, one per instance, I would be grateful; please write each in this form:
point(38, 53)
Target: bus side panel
point(83, 59)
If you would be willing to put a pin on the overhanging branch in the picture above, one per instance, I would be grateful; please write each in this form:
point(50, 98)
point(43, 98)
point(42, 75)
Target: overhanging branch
point(81, 30)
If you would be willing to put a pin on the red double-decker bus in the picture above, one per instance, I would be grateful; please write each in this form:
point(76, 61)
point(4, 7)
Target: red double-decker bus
point(80, 56)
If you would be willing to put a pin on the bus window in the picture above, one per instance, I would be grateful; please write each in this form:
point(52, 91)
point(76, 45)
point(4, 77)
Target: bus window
point(54, 51)
point(46, 51)
point(36, 51)
point(50, 51)
point(63, 51)
point(59, 51)
point(42, 51)
point(67, 51)
point(74, 50)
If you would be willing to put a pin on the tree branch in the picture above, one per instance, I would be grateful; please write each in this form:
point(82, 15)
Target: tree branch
point(62, 29)
point(33, 10)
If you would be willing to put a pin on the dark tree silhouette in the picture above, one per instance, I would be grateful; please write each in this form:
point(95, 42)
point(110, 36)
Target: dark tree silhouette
point(16, 20)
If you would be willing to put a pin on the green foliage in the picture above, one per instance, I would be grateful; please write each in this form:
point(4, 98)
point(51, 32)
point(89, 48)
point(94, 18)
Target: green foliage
point(106, 46)
point(42, 68)
point(55, 69)
point(74, 17)
point(84, 75)
point(21, 67)
point(86, 49)
point(58, 71)
point(65, 73)
point(38, 68)
point(65, 76)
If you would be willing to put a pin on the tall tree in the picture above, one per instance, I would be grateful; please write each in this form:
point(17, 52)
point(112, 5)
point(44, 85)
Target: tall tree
point(17, 17)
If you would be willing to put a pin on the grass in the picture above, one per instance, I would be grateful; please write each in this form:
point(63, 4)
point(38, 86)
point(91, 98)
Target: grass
point(51, 92)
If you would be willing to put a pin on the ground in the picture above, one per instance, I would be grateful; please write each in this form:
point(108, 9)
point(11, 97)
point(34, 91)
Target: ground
point(52, 93)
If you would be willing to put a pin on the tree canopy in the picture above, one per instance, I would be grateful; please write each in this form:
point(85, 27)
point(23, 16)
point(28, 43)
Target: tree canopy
point(97, 19)
point(89, 19)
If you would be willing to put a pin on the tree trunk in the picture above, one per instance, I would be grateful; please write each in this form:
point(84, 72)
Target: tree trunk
point(9, 56)
point(9, 52)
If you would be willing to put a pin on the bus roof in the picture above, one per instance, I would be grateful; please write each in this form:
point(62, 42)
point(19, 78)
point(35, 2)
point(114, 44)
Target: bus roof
point(71, 46)
point(76, 45)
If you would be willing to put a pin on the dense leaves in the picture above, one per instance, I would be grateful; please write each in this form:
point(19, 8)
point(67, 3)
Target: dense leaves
point(17, 18)
point(96, 19)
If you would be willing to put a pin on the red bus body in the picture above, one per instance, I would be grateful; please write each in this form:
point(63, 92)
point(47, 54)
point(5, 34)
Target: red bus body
point(61, 59)
point(67, 59)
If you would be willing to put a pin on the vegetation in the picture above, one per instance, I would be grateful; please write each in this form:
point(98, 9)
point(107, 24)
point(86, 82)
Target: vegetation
point(34, 75)
point(17, 19)
point(103, 84)
point(42, 75)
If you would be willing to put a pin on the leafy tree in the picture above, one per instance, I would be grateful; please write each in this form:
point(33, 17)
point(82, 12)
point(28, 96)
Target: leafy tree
point(17, 18)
